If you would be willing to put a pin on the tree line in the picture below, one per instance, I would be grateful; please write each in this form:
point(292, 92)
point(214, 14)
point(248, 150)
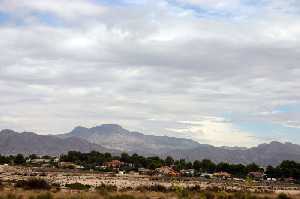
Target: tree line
point(93, 159)
point(285, 170)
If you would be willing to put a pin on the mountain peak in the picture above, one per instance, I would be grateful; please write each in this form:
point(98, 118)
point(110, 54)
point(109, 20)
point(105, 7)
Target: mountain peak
point(110, 127)
point(29, 134)
point(79, 128)
point(7, 131)
point(276, 143)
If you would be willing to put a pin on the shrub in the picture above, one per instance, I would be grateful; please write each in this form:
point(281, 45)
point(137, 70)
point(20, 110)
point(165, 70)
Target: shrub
point(1, 186)
point(195, 188)
point(44, 196)
point(182, 192)
point(11, 196)
point(283, 196)
point(78, 186)
point(154, 188)
point(33, 183)
point(222, 195)
point(106, 188)
point(209, 195)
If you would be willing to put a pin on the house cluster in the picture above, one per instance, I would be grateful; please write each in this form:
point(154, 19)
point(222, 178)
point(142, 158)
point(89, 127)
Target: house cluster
point(120, 167)
point(42, 162)
point(114, 164)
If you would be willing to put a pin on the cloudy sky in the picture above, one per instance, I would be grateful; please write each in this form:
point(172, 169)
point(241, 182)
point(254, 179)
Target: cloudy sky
point(223, 72)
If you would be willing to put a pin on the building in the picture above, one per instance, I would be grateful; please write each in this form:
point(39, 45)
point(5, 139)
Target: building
point(256, 175)
point(39, 161)
point(69, 165)
point(206, 175)
point(114, 164)
point(187, 172)
point(121, 172)
point(271, 179)
point(167, 171)
point(223, 175)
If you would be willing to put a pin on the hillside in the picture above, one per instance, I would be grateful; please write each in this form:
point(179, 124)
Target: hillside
point(264, 154)
point(113, 136)
point(12, 142)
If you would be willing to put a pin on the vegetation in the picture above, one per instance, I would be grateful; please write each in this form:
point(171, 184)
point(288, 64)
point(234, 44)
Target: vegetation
point(180, 194)
point(106, 188)
point(92, 160)
point(33, 183)
point(78, 186)
point(154, 188)
point(19, 159)
point(285, 170)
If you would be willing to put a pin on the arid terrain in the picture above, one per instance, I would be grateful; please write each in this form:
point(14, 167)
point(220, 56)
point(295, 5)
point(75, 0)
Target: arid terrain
point(135, 184)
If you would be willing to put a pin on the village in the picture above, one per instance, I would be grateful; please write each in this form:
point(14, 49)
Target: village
point(118, 174)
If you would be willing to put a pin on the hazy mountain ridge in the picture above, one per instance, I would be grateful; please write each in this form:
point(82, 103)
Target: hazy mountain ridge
point(12, 142)
point(264, 154)
point(115, 137)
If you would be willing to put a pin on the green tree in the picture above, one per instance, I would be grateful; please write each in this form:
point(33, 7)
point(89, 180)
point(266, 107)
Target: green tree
point(208, 166)
point(19, 159)
point(33, 156)
point(197, 165)
point(169, 161)
point(125, 157)
point(253, 168)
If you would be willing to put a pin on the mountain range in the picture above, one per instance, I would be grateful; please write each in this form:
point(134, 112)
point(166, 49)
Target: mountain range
point(264, 154)
point(115, 139)
point(114, 136)
point(12, 143)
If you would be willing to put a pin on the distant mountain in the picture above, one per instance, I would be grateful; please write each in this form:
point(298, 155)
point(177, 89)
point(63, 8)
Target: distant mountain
point(113, 136)
point(12, 142)
point(264, 154)
point(234, 148)
point(114, 139)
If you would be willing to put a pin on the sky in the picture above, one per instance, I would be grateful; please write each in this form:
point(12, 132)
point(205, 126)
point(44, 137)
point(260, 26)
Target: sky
point(221, 72)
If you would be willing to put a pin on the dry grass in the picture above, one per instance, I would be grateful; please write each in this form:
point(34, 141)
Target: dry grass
point(180, 194)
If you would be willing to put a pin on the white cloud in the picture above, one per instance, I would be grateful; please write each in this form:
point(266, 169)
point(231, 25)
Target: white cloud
point(216, 131)
point(62, 8)
point(291, 124)
point(126, 64)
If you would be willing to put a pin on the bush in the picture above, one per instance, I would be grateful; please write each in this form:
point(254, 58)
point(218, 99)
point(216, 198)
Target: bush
point(154, 188)
point(106, 188)
point(182, 192)
point(195, 188)
point(33, 183)
point(1, 186)
point(222, 195)
point(78, 186)
point(209, 195)
point(44, 196)
point(55, 186)
point(11, 196)
point(283, 196)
